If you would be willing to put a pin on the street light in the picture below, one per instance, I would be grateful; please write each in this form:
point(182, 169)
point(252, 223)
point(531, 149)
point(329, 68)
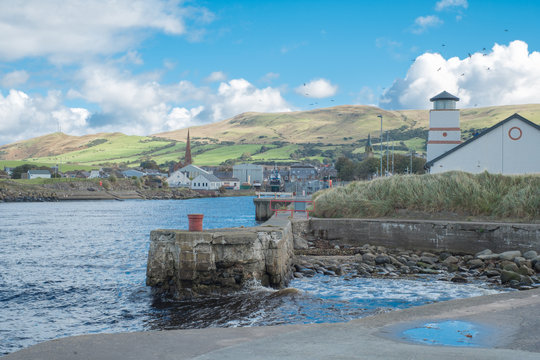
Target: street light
point(380, 116)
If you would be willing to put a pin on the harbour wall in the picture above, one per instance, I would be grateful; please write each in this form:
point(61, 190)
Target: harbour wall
point(429, 235)
point(185, 263)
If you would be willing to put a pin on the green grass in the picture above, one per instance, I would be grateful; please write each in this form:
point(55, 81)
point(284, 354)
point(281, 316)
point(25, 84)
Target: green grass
point(282, 153)
point(117, 149)
point(489, 195)
point(218, 155)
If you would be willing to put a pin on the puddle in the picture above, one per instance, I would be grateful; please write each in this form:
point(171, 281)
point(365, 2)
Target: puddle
point(448, 333)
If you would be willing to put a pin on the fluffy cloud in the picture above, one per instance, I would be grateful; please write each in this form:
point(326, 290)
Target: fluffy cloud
point(24, 116)
point(422, 23)
point(216, 76)
point(319, 88)
point(14, 78)
point(445, 4)
point(63, 31)
point(506, 75)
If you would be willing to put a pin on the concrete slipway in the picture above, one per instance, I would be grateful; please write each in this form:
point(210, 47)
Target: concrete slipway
point(512, 321)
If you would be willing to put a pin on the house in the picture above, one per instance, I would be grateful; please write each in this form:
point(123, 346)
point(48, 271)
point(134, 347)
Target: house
point(302, 172)
point(94, 174)
point(131, 173)
point(178, 179)
point(37, 174)
point(206, 182)
point(193, 171)
point(508, 147)
point(230, 183)
point(248, 173)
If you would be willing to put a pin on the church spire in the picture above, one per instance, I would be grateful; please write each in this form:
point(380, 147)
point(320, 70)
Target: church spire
point(369, 148)
point(187, 157)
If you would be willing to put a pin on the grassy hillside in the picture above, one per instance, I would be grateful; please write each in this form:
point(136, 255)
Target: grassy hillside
point(287, 137)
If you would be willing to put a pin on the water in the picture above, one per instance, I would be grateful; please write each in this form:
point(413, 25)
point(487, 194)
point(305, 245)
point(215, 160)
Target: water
point(72, 268)
point(449, 333)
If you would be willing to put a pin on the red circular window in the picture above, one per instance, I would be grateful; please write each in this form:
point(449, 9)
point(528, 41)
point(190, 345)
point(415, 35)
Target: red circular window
point(444, 134)
point(515, 133)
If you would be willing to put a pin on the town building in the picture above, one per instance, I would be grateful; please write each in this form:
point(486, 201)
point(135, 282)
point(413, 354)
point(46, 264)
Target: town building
point(178, 179)
point(303, 172)
point(38, 174)
point(192, 171)
point(248, 173)
point(508, 147)
point(206, 181)
point(230, 183)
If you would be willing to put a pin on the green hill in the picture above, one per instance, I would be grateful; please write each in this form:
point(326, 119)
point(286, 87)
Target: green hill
point(263, 137)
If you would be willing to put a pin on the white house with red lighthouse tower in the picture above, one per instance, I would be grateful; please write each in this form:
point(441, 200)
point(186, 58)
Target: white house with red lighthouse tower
point(512, 146)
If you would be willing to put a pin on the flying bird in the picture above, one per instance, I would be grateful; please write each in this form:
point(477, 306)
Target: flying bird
point(506, 30)
point(439, 69)
point(488, 68)
point(470, 55)
point(462, 74)
point(443, 44)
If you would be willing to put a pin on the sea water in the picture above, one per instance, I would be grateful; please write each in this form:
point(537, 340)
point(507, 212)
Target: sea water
point(72, 268)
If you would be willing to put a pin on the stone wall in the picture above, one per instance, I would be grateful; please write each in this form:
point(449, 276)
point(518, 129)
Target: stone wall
point(186, 263)
point(263, 211)
point(460, 237)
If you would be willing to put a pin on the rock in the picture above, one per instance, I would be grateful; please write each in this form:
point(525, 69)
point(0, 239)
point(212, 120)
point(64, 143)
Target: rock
point(491, 273)
point(507, 276)
point(483, 252)
point(429, 259)
point(509, 255)
point(298, 275)
point(428, 254)
point(424, 265)
point(336, 247)
point(451, 260)
point(518, 260)
point(444, 255)
point(452, 267)
point(526, 280)
point(511, 267)
point(488, 257)
point(537, 266)
point(459, 279)
point(429, 271)
point(369, 258)
point(382, 259)
point(475, 263)
point(531, 254)
point(525, 270)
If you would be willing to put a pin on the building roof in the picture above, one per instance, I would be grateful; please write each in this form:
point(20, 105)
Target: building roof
point(515, 116)
point(444, 96)
point(209, 177)
point(39, 172)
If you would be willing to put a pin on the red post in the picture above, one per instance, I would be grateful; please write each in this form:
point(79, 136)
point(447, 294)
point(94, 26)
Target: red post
point(195, 222)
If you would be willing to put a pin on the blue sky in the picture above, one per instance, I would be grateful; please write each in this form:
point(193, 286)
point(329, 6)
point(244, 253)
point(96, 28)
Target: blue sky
point(143, 67)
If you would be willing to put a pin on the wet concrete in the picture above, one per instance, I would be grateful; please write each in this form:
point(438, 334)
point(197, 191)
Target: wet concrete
point(512, 318)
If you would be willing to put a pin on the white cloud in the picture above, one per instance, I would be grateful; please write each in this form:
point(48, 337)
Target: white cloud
point(318, 88)
point(422, 23)
point(14, 79)
point(239, 96)
point(445, 4)
point(23, 116)
point(366, 96)
point(65, 31)
point(507, 75)
point(216, 76)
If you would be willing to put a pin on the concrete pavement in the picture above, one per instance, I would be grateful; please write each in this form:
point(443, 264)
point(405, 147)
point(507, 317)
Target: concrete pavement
point(513, 321)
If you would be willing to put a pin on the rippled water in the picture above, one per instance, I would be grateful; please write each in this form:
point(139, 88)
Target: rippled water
point(72, 268)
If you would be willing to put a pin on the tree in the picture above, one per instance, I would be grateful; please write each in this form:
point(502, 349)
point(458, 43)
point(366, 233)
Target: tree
point(149, 164)
point(345, 168)
point(16, 173)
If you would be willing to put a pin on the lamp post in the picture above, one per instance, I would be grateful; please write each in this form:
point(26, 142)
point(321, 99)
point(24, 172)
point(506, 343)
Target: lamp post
point(380, 116)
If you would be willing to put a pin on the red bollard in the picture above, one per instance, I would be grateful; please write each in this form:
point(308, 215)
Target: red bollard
point(195, 222)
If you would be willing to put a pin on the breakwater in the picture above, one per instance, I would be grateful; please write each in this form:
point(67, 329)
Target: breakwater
point(185, 264)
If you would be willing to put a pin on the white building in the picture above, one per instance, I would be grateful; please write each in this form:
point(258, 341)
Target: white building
point(178, 179)
point(206, 182)
point(39, 174)
point(511, 146)
point(230, 183)
point(248, 173)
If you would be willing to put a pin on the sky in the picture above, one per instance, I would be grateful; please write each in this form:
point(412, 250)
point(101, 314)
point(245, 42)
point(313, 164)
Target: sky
point(147, 66)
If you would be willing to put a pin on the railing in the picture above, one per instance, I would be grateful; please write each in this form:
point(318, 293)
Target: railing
point(294, 209)
point(273, 194)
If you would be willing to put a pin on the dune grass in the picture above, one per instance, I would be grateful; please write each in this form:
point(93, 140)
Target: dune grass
point(486, 195)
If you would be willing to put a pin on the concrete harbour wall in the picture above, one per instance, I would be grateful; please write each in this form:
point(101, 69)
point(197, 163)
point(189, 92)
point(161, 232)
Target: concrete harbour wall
point(186, 263)
point(461, 237)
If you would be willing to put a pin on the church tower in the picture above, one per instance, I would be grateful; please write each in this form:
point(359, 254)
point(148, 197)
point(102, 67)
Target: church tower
point(444, 131)
point(187, 157)
point(368, 150)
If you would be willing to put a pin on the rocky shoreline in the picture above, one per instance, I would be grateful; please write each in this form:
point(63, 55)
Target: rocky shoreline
point(508, 269)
